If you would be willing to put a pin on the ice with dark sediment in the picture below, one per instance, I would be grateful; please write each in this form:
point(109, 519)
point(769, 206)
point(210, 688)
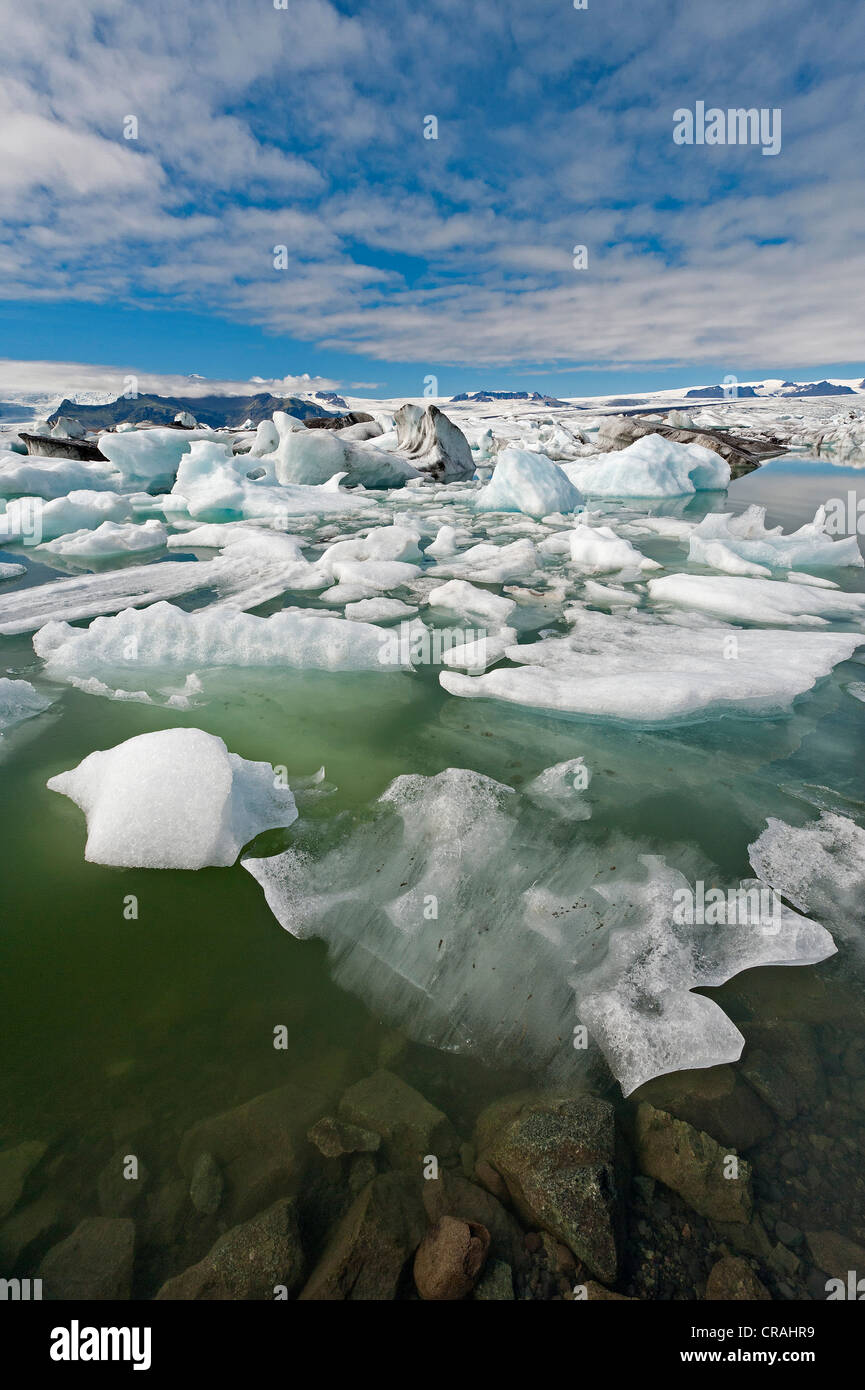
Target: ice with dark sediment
point(470, 923)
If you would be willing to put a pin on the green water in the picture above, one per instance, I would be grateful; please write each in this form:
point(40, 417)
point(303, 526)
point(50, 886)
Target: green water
point(170, 1017)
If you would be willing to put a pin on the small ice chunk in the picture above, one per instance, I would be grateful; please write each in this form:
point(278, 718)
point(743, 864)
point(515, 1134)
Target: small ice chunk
point(471, 603)
point(174, 799)
point(480, 652)
point(486, 563)
point(19, 700)
point(378, 610)
point(560, 788)
point(598, 550)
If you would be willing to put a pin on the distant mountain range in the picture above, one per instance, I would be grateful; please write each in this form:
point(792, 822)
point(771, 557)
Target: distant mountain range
point(768, 389)
point(480, 397)
point(214, 411)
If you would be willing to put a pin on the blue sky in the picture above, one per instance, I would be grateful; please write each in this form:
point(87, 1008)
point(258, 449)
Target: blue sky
point(407, 257)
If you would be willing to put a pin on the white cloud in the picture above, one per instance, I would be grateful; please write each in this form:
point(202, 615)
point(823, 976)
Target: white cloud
point(25, 381)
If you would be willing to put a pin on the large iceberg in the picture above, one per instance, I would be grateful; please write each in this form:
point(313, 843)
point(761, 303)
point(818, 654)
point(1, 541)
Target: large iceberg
point(530, 483)
point(314, 456)
point(433, 443)
point(650, 467)
point(212, 486)
point(175, 799)
point(151, 457)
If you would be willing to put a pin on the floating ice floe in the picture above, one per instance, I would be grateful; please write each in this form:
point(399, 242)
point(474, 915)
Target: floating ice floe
point(175, 799)
point(487, 563)
point(478, 653)
point(32, 519)
point(634, 667)
point(255, 569)
point(164, 637)
point(471, 603)
point(747, 536)
point(598, 550)
point(530, 483)
point(379, 610)
point(12, 571)
point(650, 467)
point(108, 540)
point(434, 915)
point(756, 600)
point(48, 478)
point(820, 868)
point(19, 700)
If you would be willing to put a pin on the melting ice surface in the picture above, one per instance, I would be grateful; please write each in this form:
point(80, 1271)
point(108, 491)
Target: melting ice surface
point(487, 889)
point(476, 927)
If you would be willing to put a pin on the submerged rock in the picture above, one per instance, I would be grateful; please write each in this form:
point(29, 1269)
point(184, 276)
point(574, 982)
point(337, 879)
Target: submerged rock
point(31, 1223)
point(716, 1100)
point(452, 1194)
point(251, 1261)
point(94, 1263)
point(560, 1161)
point(692, 1164)
point(333, 1138)
point(436, 446)
point(372, 1244)
point(596, 1293)
point(206, 1185)
point(409, 1126)
point(16, 1165)
point(733, 1278)
point(258, 1146)
point(495, 1283)
point(835, 1255)
point(450, 1258)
